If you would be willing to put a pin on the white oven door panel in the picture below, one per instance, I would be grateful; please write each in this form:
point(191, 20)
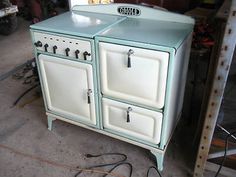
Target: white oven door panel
point(144, 82)
point(144, 124)
point(66, 84)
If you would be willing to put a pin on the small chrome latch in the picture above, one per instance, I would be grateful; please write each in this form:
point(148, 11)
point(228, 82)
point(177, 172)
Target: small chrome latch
point(89, 92)
point(130, 52)
point(128, 111)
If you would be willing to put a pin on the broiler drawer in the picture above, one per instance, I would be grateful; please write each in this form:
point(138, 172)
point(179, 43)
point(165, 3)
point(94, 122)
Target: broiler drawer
point(132, 120)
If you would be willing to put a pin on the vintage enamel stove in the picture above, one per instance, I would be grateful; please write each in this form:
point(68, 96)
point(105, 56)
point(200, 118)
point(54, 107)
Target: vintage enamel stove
point(116, 69)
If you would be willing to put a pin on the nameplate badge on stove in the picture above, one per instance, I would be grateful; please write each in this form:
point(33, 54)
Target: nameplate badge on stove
point(130, 11)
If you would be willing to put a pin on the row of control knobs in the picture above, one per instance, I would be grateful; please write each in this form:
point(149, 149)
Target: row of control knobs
point(67, 50)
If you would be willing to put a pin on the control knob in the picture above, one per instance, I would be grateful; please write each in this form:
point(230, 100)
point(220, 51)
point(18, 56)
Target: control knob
point(54, 49)
point(86, 54)
point(38, 44)
point(67, 51)
point(46, 47)
point(77, 53)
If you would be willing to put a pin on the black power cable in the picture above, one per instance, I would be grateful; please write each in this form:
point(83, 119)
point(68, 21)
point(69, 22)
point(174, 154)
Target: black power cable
point(152, 167)
point(225, 152)
point(24, 93)
point(117, 163)
point(17, 68)
point(107, 154)
point(122, 163)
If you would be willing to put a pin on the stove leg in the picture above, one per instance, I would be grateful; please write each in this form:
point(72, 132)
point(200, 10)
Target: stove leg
point(159, 159)
point(50, 120)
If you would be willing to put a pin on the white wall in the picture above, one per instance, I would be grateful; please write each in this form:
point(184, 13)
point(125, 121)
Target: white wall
point(77, 2)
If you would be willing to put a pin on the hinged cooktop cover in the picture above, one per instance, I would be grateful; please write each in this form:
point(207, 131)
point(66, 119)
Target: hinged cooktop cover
point(85, 24)
point(155, 32)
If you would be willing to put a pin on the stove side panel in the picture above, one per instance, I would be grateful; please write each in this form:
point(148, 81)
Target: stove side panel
point(177, 75)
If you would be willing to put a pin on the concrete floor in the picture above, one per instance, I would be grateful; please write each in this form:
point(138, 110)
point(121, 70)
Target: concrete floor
point(25, 129)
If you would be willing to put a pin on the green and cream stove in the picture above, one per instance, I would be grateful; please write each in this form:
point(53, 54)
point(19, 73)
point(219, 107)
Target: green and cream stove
point(117, 69)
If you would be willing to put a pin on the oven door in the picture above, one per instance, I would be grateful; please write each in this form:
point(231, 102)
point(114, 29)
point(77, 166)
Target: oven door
point(133, 74)
point(68, 88)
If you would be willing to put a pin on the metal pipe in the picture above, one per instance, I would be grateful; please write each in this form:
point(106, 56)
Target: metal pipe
point(221, 154)
point(226, 131)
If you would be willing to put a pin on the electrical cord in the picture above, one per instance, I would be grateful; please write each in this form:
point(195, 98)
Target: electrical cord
point(78, 169)
point(115, 164)
point(31, 79)
point(225, 152)
point(24, 93)
point(107, 154)
point(152, 167)
point(122, 163)
point(56, 164)
point(11, 72)
point(106, 164)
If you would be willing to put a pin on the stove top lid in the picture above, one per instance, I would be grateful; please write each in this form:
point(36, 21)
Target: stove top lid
point(85, 24)
point(163, 33)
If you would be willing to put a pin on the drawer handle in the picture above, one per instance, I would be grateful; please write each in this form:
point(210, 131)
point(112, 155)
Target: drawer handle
point(89, 95)
point(128, 111)
point(130, 52)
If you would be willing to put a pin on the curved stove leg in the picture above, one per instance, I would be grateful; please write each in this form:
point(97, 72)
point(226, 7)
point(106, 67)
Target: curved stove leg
point(159, 159)
point(50, 120)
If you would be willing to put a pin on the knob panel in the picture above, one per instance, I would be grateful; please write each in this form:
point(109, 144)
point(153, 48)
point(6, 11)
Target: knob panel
point(78, 48)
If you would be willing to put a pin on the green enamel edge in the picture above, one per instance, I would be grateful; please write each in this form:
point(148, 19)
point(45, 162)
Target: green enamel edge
point(169, 80)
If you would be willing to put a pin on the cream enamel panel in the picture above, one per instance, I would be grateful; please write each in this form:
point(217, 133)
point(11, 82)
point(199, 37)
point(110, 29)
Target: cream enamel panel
point(144, 82)
point(144, 124)
point(66, 84)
